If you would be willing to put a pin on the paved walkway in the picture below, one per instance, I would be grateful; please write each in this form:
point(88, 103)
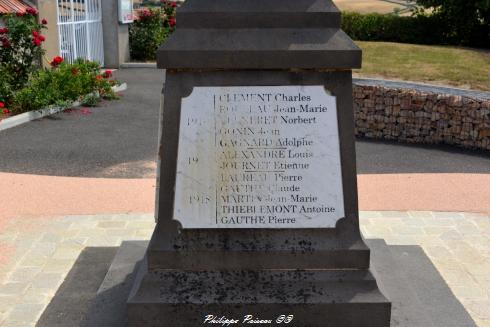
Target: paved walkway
point(44, 196)
point(36, 256)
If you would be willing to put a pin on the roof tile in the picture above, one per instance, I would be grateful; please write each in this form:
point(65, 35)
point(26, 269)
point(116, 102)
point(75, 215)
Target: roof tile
point(13, 6)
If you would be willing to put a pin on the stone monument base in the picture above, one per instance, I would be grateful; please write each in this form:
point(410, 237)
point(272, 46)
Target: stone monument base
point(405, 275)
point(340, 298)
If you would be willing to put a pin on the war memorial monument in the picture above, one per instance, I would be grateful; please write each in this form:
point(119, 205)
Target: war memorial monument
point(257, 213)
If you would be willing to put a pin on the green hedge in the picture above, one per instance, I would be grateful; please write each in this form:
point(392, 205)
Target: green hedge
point(418, 29)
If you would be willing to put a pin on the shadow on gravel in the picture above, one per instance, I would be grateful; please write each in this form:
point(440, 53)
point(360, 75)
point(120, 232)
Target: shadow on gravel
point(419, 294)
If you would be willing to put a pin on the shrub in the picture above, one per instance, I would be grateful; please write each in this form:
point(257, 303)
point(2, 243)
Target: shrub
point(63, 83)
point(91, 100)
point(6, 81)
point(417, 29)
point(466, 22)
point(20, 50)
point(3, 109)
point(150, 29)
point(378, 27)
point(146, 34)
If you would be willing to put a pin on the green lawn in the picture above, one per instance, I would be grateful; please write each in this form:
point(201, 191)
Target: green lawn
point(467, 68)
point(366, 6)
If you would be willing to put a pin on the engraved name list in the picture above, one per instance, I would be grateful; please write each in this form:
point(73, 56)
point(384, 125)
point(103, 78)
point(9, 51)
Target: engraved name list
point(259, 157)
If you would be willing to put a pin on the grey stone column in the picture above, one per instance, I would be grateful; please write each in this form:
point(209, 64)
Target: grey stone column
point(116, 35)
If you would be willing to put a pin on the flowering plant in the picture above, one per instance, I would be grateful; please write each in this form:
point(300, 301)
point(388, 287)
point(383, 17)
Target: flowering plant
point(3, 109)
point(146, 33)
point(150, 29)
point(56, 61)
point(170, 10)
point(64, 83)
point(6, 88)
point(20, 46)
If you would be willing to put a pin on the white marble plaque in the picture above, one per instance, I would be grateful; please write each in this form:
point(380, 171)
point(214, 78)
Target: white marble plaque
point(259, 157)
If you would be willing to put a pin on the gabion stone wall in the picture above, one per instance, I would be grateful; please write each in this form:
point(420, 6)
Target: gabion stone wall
point(417, 117)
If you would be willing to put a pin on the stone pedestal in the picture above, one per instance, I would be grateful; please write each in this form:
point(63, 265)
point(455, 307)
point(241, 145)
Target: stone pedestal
point(319, 276)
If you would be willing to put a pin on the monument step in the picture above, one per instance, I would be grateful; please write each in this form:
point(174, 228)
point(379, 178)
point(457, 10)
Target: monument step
point(275, 7)
point(259, 14)
point(321, 298)
point(257, 249)
point(252, 48)
point(109, 306)
point(392, 281)
point(418, 301)
point(264, 287)
point(429, 286)
point(247, 260)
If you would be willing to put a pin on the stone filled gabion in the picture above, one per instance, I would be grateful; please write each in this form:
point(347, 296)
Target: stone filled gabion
point(418, 117)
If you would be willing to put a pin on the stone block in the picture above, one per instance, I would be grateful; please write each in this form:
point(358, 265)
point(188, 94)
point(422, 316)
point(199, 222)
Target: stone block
point(343, 298)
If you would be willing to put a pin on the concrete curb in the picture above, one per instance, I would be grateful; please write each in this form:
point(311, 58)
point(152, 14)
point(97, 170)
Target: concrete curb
point(31, 115)
point(38, 114)
point(120, 88)
point(139, 65)
point(422, 87)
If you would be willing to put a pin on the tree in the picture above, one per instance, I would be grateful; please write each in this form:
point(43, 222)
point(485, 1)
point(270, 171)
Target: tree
point(467, 21)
